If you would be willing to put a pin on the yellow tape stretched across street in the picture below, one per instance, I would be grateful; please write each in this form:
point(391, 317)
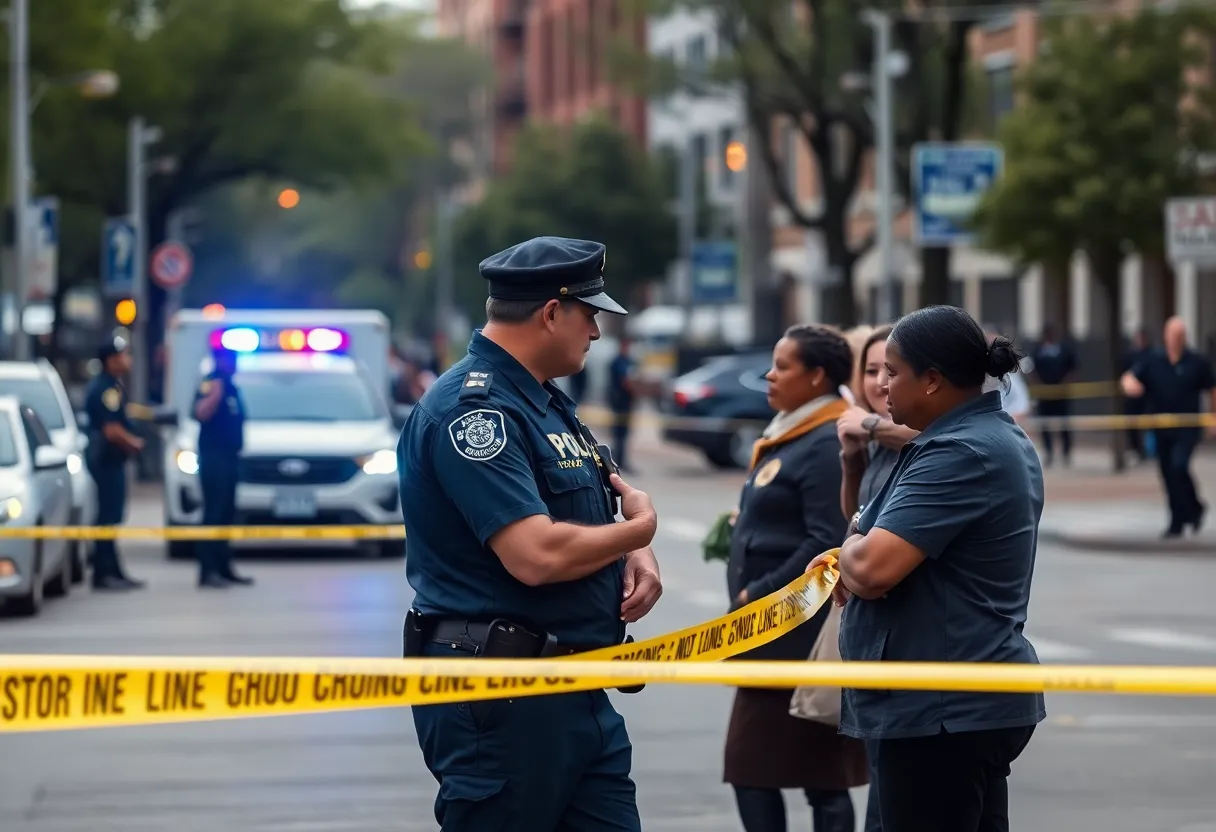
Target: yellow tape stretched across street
point(41, 693)
point(387, 532)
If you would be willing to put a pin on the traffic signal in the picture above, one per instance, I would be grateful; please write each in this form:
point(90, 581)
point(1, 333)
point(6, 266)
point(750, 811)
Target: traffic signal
point(736, 156)
point(124, 312)
point(422, 260)
point(289, 198)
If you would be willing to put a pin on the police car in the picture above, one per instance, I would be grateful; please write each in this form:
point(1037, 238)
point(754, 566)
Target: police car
point(320, 437)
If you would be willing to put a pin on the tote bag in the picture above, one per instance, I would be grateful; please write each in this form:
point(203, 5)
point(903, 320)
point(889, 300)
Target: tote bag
point(821, 704)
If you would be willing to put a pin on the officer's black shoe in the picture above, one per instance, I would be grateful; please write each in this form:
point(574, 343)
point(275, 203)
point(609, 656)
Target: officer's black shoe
point(132, 583)
point(212, 582)
point(242, 580)
point(110, 583)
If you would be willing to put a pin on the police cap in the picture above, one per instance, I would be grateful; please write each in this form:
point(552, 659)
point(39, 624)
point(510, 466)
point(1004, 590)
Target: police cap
point(550, 268)
point(111, 346)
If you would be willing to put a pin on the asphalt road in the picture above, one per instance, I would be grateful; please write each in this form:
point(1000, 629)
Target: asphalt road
point(1119, 764)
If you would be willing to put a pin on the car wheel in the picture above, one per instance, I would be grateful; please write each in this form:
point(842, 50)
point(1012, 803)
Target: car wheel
point(76, 557)
point(60, 586)
point(392, 548)
point(30, 604)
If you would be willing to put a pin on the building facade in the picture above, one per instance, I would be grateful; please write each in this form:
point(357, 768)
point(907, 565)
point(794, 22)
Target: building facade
point(567, 72)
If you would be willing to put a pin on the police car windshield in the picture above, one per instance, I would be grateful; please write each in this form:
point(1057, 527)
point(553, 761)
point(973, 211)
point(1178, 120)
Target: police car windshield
point(37, 394)
point(295, 396)
point(8, 443)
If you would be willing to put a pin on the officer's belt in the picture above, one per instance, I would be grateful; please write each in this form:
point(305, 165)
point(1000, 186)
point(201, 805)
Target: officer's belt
point(460, 632)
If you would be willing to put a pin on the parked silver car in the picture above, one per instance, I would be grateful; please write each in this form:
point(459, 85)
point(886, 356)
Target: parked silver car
point(35, 490)
point(38, 385)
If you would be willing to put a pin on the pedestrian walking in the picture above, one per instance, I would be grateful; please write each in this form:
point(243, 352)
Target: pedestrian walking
point(1138, 440)
point(938, 568)
point(515, 552)
point(789, 512)
point(1055, 364)
point(1171, 380)
point(220, 411)
point(111, 444)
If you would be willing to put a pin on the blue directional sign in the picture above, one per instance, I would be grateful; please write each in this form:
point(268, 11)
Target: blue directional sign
point(118, 257)
point(948, 182)
point(714, 272)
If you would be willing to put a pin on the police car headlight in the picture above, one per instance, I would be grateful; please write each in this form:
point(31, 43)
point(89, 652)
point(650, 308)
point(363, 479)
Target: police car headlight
point(187, 462)
point(10, 509)
point(74, 464)
point(381, 462)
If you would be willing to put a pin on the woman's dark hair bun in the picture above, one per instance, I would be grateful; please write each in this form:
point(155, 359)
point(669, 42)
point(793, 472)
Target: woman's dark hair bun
point(1003, 357)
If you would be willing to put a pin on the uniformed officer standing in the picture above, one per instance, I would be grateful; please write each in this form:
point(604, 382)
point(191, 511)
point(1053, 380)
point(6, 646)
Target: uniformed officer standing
point(220, 410)
point(111, 443)
point(515, 552)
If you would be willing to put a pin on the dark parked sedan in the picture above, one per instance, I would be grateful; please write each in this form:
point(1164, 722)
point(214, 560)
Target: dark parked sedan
point(720, 408)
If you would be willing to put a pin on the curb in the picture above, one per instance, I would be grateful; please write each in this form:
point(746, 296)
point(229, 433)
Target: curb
point(1130, 545)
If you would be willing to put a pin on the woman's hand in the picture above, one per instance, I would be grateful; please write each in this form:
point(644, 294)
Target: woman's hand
point(734, 515)
point(849, 423)
point(852, 445)
point(840, 595)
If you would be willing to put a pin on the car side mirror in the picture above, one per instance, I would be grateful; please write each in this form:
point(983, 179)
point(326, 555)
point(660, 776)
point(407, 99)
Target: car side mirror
point(48, 457)
point(401, 412)
point(82, 420)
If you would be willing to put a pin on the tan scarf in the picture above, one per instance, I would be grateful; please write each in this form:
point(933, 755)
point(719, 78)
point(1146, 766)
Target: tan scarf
point(785, 429)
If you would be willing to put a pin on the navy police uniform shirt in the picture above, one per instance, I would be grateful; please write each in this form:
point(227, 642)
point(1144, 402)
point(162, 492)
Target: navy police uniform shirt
point(968, 492)
point(105, 402)
point(224, 433)
point(485, 446)
point(1175, 388)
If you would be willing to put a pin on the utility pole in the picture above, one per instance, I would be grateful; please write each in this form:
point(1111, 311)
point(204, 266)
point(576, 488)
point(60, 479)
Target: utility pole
point(445, 274)
point(688, 223)
point(139, 136)
point(885, 173)
point(18, 23)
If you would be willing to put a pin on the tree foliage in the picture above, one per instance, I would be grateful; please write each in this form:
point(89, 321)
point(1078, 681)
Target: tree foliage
point(1100, 141)
point(592, 183)
point(791, 62)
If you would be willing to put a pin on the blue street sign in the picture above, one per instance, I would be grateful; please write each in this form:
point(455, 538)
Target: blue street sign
point(948, 182)
point(118, 257)
point(714, 272)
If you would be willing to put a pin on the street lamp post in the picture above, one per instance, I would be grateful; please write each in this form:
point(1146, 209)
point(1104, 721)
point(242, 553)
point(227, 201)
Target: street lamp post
point(885, 162)
point(139, 136)
point(20, 116)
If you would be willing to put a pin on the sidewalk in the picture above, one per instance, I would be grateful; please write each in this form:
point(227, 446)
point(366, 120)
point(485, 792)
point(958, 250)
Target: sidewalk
point(1089, 507)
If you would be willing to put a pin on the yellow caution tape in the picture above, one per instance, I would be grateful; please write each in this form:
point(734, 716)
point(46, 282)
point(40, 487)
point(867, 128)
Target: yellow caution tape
point(395, 532)
point(43, 693)
point(713, 424)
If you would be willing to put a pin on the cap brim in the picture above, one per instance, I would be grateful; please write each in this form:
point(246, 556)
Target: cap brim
point(602, 301)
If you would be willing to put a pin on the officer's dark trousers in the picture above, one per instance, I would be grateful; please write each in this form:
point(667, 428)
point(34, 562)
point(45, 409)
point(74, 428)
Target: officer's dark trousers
point(111, 483)
point(218, 478)
point(948, 782)
point(1174, 450)
point(1051, 408)
point(620, 438)
point(556, 763)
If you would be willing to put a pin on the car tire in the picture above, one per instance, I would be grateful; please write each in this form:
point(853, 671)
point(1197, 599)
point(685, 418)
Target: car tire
point(736, 452)
point(392, 549)
point(30, 604)
point(60, 586)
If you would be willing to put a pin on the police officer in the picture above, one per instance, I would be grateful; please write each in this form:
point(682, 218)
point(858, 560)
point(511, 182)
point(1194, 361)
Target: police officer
point(515, 552)
point(221, 414)
point(111, 443)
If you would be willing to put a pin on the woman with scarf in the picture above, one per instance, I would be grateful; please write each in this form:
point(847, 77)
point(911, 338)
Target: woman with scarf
point(789, 512)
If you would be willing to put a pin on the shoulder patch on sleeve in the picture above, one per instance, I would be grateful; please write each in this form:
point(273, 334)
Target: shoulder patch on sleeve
point(476, 383)
point(112, 399)
point(479, 435)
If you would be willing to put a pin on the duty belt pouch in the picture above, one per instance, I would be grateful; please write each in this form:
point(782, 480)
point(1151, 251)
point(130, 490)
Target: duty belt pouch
point(631, 688)
point(412, 635)
point(506, 640)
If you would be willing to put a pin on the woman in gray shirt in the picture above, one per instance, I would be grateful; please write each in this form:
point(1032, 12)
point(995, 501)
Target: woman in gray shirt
point(870, 442)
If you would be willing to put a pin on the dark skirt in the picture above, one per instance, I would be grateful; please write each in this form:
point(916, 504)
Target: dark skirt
point(767, 748)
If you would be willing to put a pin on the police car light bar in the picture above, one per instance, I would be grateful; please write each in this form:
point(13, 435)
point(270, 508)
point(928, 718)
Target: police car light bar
point(244, 339)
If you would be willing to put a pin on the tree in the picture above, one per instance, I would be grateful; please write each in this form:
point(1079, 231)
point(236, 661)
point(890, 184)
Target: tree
point(591, 183)
point(239, 88)
point(1113, 122)
point(791, 63)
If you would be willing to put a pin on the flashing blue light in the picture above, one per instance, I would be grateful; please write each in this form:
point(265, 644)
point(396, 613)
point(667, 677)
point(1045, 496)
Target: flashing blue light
point(241, 339)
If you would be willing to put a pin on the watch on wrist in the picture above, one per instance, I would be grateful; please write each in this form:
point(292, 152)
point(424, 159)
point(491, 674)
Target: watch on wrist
point(870, 423)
